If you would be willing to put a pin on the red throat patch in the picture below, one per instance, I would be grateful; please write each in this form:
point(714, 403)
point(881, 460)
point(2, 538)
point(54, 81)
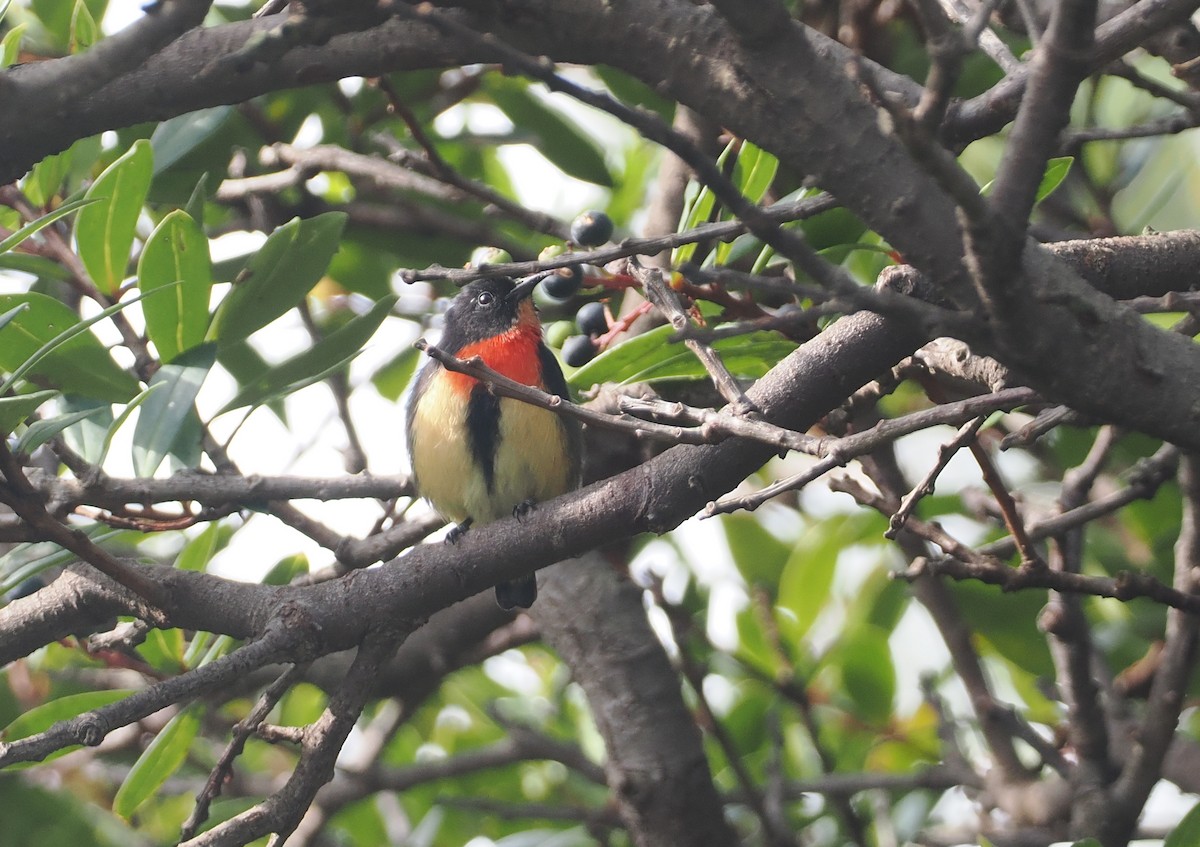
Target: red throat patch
point(513, 353)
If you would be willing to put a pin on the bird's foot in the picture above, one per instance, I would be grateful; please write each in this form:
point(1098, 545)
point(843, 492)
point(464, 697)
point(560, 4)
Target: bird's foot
point(524, 508)
point(458, 531)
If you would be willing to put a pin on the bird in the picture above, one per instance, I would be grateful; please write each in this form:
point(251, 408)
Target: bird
point(478, 457)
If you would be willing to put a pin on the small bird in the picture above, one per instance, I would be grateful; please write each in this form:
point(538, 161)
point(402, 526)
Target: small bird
point(478, 457)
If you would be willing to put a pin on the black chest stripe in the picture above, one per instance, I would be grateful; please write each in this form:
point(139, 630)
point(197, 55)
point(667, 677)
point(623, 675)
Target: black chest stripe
point(483, 428)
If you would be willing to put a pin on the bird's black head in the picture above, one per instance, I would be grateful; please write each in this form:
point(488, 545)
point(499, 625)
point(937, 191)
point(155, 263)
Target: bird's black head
point(487, 308)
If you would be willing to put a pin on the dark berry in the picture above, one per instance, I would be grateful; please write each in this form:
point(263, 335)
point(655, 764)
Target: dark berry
point(591, 229)
point(564, 283)
point(578, 350)
point(591, 319)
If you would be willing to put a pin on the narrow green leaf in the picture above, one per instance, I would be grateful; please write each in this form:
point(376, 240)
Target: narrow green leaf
point(47, 176)
point(391, 379)
point(625, 358)
point(50, 344)
point(104, 231)
point(313, 364)
point(40, 718)
point(44, 221)
point(561, 141)
point(175, 138)
point(37, 266)
point(4, 9)
point(290, 263)
point(287, 569)
point(12, 313)
point(116, 424)
point(758, 554)
point(651, 357)
point(807, 577)
point(163, 413)
point(10, 47)
point(1187, 834)
point(198, 552)
point(868, 675)
point(27, 560)
point(755, 172)
point(40, 432)
point(163, 649)
point(84, 30)
point(633, 91)
point(699, 210)
point(165, 755)
point(176, 252)
point(199, 196)
point(89, 437)
point(245, 365)
point(1056, 171)
point(15, 409)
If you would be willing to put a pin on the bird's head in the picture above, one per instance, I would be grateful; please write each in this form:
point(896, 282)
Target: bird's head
point(488, 308)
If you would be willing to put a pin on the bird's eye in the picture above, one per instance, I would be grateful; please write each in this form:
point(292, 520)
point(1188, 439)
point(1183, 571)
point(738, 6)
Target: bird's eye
point(485, 298)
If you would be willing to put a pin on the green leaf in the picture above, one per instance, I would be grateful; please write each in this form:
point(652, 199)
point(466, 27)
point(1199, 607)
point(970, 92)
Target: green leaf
point(176, 251)
point(41, 223)
point(40, 718)
point(1056, 171)
point(287, 569)
point(89, 438)
point(165, 755)
point(633, 91)
point(4, 9)
point(198, 552)
point(1006, 624)
point(1187, 834)
point(104, 231)
point(391, 379)
point(650, 357)
point(195, 203)
point(245, 365)
point(50, 344)
point(12, 313)
point(331, 353)
point(84, 30)
point(163, 649)
point(288, 265)
point(758, 554)
point(163, 414)
point(15, 409)
point(559, 139)
point(18, 565)
point(868, 675)
point(115, 425)
point(37, 266)
point(175, 138)
point(40, 432)
point(808, 576)
point(699, 210)
point(10, 47)
point(47, 176)
point(755, 171)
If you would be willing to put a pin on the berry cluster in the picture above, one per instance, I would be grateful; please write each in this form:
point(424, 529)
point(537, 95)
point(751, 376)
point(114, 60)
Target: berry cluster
point(559, 292)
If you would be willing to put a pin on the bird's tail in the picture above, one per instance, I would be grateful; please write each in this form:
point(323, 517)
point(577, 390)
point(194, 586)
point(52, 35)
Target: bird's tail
point(519, 592)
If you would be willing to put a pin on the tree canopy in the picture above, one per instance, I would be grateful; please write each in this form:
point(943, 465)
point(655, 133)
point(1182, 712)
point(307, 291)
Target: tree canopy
point(890, 526)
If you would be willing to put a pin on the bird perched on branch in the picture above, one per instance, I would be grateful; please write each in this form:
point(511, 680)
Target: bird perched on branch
point(476, 456)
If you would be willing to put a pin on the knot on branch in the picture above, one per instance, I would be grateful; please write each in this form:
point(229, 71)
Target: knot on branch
point(89, 729)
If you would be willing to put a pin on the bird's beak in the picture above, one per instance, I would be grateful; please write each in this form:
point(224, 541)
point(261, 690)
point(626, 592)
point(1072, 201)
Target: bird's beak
point(524, 288)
